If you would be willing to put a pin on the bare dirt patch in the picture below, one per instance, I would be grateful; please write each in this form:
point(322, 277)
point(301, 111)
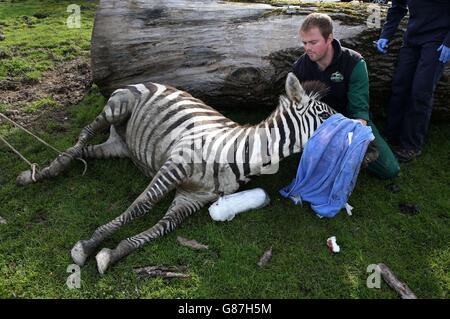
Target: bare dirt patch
point(67, 84)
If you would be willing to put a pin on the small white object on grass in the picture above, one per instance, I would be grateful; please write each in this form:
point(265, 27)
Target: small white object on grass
point(349, 209)
point(332, 245)
point(2, 220)
point(227, 207)
point(265, 258)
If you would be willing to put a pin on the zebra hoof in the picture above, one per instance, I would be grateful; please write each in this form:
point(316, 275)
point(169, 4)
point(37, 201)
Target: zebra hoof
point(103, 260)
point(79, 253)
point(24, 178)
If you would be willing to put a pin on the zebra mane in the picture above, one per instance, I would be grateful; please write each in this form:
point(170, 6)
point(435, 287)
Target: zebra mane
point(315, 89)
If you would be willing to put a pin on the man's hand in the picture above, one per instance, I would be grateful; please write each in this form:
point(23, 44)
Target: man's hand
point(445, 54)
point(382, 45)
point(363, 122)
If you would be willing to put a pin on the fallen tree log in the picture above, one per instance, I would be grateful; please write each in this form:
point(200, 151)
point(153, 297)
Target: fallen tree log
point(229, 54)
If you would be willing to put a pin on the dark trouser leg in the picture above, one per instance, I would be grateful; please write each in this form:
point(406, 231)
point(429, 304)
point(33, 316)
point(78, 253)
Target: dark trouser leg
point(417, 114)
point(401, 90)
point(386, 166)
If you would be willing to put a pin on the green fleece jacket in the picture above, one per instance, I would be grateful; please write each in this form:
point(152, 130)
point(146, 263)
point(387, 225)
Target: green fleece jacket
point(358, 92)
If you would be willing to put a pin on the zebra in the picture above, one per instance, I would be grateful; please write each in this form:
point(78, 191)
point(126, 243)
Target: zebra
point(157, 127)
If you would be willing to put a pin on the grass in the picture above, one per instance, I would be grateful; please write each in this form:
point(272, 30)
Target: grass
point(37, 37)
point(41, 103)
point(46, 219)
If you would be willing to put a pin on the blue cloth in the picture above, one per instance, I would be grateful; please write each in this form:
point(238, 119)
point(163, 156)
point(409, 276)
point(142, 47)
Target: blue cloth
point(329, 166)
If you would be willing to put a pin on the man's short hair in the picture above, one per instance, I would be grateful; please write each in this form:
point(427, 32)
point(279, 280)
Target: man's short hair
point(318, 20)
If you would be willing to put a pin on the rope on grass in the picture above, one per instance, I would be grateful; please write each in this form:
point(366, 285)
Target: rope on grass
point(34, 165)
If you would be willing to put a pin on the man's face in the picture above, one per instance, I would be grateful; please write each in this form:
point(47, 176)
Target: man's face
point(316, 46)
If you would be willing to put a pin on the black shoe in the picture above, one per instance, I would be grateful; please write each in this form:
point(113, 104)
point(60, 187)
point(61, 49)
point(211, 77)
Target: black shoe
point(405, 155)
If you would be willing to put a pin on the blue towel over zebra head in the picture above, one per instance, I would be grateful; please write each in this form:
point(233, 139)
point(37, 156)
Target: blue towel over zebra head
point(329, 165)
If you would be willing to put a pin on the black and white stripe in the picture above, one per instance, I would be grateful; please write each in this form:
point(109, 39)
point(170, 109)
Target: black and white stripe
point(185, 145)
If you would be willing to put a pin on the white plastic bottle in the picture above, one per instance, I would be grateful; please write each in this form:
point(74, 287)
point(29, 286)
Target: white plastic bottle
point(227, 207)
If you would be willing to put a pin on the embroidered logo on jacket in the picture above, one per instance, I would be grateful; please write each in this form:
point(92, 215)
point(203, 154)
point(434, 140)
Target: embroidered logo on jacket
point(337, 77)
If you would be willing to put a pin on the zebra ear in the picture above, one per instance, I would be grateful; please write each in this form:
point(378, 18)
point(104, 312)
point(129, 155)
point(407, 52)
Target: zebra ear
point(294, 90)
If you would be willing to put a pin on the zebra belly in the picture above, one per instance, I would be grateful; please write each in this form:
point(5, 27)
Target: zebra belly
point(216, 179)
point(144, 152)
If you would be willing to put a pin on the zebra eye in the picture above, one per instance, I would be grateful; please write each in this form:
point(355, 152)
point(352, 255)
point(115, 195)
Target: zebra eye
point(324, 115)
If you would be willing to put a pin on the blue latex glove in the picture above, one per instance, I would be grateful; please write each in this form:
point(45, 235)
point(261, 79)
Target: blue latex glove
point(445, 53)
point(382, 45)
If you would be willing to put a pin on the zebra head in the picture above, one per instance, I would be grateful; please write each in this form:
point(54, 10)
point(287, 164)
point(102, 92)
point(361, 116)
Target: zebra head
point(304, 107)
point(305, 100)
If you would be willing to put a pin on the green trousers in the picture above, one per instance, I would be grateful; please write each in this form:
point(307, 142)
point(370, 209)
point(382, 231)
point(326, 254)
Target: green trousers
point(386, 166)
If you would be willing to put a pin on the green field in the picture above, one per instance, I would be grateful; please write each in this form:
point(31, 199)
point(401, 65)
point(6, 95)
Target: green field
point(45, 220)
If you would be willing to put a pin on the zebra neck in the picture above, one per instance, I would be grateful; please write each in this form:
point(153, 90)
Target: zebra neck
point(272, 140)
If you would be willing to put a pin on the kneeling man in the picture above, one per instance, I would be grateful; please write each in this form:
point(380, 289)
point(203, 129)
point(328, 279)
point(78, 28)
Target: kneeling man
point(344, 71)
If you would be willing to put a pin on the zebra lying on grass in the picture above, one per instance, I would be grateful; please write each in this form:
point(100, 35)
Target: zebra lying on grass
point(183, 144)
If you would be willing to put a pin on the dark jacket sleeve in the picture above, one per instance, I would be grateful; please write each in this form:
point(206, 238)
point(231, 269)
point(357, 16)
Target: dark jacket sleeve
point(447, 38)
point(395, 14)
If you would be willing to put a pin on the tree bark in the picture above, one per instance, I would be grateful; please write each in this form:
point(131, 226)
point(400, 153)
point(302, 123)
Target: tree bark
point(229, 54)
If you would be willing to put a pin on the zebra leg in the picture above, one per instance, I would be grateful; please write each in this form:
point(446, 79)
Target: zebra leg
point(183, 205)
point(167, 179)
point(116, 111)
point(113, 147)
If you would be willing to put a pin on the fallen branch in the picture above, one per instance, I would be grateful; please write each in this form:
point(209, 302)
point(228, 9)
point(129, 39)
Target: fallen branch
point(393, 282)
point(159, 271)
point(191, 243)
point(265, 258)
